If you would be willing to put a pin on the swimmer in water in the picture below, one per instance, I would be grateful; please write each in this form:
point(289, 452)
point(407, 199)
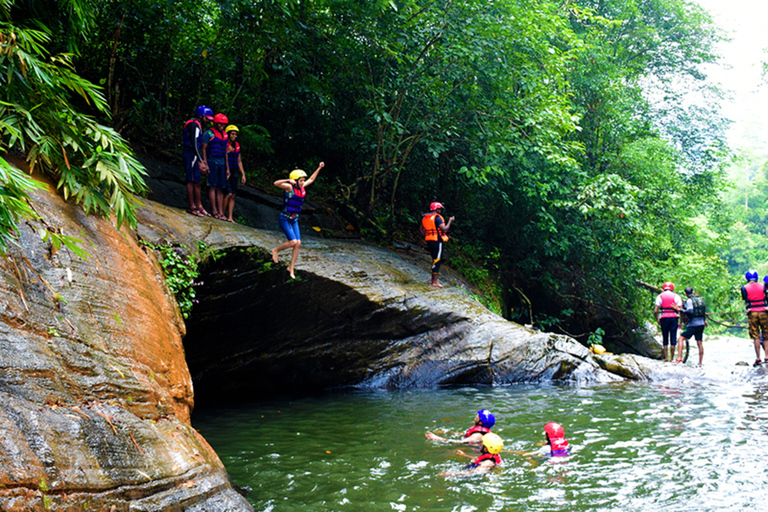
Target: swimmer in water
point(489, 457)
point(484, 420)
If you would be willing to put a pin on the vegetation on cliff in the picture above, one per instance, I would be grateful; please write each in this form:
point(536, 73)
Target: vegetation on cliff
point(578, 144)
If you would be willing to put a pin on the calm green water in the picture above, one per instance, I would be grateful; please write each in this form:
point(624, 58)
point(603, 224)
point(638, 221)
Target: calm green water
point(689, 442)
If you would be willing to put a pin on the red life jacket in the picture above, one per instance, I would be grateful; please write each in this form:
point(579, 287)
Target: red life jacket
point(559, 447)
point(495, 457)
point(755, 297)
point(186, 139)
point(667, 303)
point(477, 428)
point(431, 231)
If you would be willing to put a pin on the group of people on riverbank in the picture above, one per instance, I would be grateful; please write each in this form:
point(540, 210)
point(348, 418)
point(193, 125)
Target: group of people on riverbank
point(670, 309)
point(491, 445)
point(210, 148)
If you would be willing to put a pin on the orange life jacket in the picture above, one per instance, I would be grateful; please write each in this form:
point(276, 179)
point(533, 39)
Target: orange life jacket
point(431, 231)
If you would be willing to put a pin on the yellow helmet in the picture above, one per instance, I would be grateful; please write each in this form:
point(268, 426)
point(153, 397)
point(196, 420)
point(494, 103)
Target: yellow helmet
point(493, 443)
point(296, 174)
point(231, 128)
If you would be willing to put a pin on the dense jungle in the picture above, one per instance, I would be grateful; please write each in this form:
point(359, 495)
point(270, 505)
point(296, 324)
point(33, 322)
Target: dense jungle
point(579, 144)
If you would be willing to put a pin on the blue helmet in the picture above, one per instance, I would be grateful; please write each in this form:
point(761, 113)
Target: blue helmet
point(486, 418)
point(765, 279)
point(203, 111)
point(751, 275)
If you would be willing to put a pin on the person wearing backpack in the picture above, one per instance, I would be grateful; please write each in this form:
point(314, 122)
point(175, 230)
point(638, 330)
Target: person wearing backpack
point(695, 317)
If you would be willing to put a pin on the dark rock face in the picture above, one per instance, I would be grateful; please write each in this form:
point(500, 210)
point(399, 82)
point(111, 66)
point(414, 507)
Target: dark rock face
point(95, 394)
point(359, 316)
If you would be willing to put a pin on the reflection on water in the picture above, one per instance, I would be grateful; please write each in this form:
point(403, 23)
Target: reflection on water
point(686, 443)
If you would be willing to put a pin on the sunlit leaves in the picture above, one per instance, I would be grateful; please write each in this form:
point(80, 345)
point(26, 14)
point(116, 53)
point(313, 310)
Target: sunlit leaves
point(91, 162)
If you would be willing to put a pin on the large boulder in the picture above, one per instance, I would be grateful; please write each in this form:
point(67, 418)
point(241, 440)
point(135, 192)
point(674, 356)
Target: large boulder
point(95, 394)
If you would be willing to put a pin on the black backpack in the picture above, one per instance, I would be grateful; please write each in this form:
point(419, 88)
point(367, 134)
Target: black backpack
point(699, 308)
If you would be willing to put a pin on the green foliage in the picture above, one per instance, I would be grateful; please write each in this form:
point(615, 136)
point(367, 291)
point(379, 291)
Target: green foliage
point(38, 90)
point(559, 135)
point(180, 270)
point(596, 338)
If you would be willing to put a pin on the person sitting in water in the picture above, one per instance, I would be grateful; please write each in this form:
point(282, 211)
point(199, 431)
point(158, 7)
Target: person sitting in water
point(489, 457)
point(484, 420)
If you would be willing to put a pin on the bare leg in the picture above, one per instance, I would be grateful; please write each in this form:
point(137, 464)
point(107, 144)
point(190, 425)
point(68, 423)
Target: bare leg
point(283, 247)
point(434, 281)
point(701, 350)
point(229, 205)
point(212, 200)
point(757, 348)
point(191, 195)
point(294, 257)
point(680, 349)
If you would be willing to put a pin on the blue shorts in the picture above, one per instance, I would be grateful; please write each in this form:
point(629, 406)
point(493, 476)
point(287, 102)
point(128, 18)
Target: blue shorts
point(192, 166)
point(233, 182)
point(217, 174)
point(290, 227)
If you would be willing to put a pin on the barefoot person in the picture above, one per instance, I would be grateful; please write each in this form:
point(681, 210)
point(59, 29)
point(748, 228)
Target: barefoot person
point(234, 163)
point(433, 227)
point(193, 160)
point(294, 194)
point(484, 420)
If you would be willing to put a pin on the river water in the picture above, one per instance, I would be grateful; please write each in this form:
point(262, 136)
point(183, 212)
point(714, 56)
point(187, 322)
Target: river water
point(696, 441)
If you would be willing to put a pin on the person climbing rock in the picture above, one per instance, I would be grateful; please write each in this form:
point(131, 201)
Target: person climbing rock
point(434, 229)
point(753, 294)
point(484, 421)
point(669, 303)
point(294, 194)
point(695, 318)
point(489, 457)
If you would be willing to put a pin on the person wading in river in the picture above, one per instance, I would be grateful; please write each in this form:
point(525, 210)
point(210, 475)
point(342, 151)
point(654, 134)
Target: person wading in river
point(695, 317)
point(669, 304)
point(434, 229)
point(753, 294)
point(484, 420)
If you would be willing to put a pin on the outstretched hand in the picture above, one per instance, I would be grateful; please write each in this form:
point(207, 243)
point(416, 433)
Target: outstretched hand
point(434, 437)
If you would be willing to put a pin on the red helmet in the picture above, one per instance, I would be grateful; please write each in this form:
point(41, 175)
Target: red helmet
point(555, 436)
point(553, 429)
point(436, 206)
point(668, 286)
point(220, 118)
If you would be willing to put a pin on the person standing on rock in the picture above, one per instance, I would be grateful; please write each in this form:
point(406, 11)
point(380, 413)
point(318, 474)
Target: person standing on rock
point(294, 194)
point(753, 294)
point(695, 317)
point(434, 227)
point(193, 161)
point(234, 162)
point(484, 421)
point(214, 143)
point(668, 303)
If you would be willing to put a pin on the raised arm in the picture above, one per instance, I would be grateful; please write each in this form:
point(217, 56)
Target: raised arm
point(312, 178)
